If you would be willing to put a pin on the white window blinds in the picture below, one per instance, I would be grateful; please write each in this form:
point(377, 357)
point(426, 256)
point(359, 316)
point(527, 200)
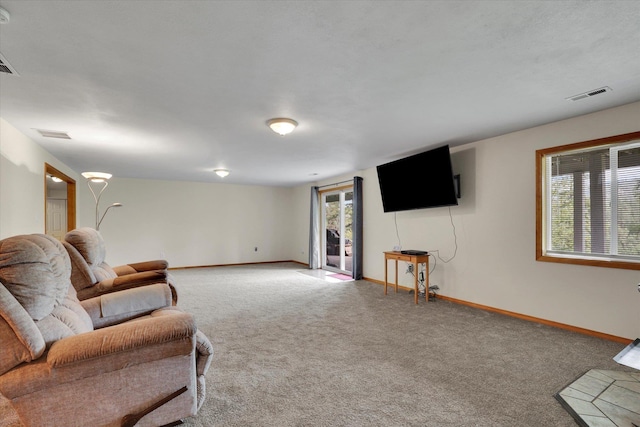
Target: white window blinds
point(593, 202)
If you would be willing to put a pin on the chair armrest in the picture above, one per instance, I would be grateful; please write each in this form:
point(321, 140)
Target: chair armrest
point(138, 267)
point(142, 278)
point(121, 338)
point(204, 353)
point(143, 298)
point(130, 281)
point(116, 307)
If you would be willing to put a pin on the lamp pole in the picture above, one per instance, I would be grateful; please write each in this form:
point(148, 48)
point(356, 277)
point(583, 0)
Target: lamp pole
point(100, 179)
point(97, 197)
point(113, 205)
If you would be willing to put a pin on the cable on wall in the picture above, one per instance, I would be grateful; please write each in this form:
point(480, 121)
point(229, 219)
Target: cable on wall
point(395, 218)
point(455, 242)
point(435, 251)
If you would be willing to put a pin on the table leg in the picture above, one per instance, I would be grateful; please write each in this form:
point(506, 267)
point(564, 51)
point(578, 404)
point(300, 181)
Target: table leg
point(396, 276)
point(385, 275)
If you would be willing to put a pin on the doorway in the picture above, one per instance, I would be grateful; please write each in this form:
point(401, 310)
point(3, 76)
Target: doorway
point(59, 202)
point(56, 217)
point(337, 230)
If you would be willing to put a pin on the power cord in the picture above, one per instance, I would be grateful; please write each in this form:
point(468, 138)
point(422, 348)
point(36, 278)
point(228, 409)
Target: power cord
point(455, 243)
point(421, 278)
point(434, 288)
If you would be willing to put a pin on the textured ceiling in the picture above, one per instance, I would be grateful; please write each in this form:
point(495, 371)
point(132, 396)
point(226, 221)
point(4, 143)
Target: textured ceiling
point(175, 89)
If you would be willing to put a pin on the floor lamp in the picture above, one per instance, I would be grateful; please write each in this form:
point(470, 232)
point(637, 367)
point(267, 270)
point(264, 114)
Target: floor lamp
point(100, 181)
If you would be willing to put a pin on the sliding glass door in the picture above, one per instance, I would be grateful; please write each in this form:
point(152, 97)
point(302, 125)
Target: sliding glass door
point(337, 230)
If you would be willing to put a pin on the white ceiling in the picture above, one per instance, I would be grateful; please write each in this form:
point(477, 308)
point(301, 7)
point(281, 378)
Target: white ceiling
point(174, 89)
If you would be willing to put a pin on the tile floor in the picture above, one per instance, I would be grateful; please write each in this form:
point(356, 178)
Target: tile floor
point(602, 398)
point(325, 275)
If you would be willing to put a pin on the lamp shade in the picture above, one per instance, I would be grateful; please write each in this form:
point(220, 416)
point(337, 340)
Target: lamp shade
point(282, 126)
point(96, 176)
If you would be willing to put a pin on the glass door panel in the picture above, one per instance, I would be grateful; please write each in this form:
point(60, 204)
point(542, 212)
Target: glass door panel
point(337, 210)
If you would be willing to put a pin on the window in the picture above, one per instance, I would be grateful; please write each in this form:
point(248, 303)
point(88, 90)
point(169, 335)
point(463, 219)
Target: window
point(588, 203)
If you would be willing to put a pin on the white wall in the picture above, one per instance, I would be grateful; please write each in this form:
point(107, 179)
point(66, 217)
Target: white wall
point(22, 182)
point(495, 225)
point(300, 203)
point(187, 223)
point(193, 224)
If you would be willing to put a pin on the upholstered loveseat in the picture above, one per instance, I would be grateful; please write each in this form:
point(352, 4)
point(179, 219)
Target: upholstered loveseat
point(64, 362)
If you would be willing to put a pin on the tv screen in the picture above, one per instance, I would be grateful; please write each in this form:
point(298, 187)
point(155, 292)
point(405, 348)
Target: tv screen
point(424, 180)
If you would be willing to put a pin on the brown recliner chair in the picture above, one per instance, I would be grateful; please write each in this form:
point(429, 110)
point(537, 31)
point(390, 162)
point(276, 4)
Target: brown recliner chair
point(121, 359)
point(92, 276)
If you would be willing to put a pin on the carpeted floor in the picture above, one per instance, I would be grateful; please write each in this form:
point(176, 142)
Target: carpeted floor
point(294, 350)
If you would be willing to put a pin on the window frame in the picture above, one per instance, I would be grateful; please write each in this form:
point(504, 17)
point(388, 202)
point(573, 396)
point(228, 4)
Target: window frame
point(541, 229)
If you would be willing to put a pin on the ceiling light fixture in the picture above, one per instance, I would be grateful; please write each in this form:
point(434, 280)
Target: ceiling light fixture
point(221, 172)
point(282, 126)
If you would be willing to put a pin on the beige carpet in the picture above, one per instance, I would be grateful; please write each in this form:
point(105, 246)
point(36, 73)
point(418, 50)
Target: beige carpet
point(294, 350)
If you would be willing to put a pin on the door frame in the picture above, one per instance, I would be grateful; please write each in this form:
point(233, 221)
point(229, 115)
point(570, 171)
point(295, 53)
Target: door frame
point(323, 227)
point(71, 195)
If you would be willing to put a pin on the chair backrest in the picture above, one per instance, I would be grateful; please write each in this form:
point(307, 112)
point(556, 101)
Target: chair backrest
point(38, 305)
point(36, 270)
point(89, 244)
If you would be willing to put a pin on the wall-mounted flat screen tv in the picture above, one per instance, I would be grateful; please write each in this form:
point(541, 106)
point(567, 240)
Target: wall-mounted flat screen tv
point(424, 180)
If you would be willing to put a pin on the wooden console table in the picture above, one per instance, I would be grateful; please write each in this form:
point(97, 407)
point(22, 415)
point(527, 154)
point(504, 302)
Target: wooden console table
point(415, 260)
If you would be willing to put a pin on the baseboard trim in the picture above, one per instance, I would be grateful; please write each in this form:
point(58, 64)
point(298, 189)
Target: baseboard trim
point(234, 264)
point(526, 317)
point(559, 325)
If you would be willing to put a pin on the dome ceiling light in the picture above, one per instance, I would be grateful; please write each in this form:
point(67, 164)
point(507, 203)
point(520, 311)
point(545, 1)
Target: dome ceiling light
point(282, 126)
point(221, 172)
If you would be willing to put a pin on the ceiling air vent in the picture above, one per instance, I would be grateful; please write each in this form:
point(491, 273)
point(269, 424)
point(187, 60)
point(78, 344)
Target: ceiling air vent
point(53, 134)
point(589, 94)
point(5, 67)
